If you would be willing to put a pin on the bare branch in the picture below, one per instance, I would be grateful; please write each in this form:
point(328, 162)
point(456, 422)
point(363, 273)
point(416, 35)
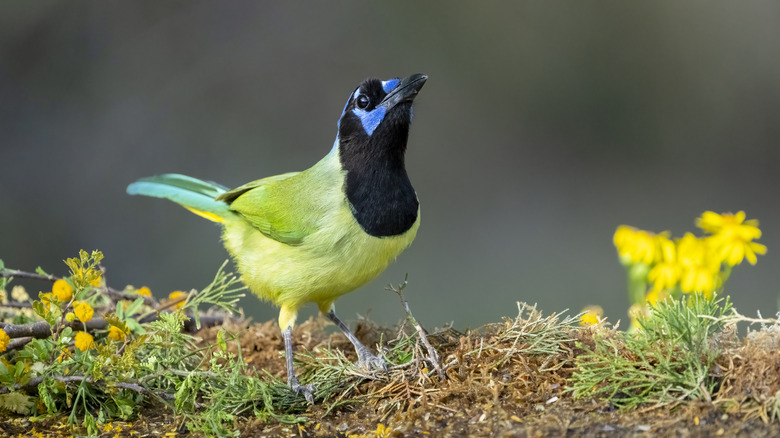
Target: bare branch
point(7, 273)
point(35, 381)
point(39, 329)
point(433, 356)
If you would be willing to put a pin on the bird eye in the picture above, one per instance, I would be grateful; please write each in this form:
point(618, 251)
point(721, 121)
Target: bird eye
point(362, 101)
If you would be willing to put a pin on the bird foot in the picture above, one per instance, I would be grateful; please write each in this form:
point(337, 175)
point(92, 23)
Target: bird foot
point(307, 390)
point(369, 361)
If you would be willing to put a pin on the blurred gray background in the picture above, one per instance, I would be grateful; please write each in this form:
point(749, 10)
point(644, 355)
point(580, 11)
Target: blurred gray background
point(543, 127)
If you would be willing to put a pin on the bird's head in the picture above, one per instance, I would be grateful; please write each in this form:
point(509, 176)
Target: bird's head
point(376, 118)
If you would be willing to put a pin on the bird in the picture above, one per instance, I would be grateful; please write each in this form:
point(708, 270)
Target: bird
point(314, 235)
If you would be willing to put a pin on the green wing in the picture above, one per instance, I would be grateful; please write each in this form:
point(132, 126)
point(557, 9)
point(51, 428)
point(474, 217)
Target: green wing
point(276, 206)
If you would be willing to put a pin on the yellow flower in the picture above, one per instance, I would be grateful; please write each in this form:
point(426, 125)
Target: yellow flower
point(591, 316)
point(623, 237)
point(666, 272)
point(4, 340)
point(64, 355)
point(729, 223)
point(698, 280)
point(691, 250)
point(84, 341)
point(144, 291)
point(116, 333)
point(635, 245)
point(699, 269)
point(84, 312)
point(732, 236)
point(178, 295)
point(734, 250)
point(62, 290)
point(383, 431)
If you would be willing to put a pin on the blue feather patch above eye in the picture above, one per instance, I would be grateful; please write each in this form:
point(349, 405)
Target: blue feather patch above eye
point(370, 119)
point(389, 84)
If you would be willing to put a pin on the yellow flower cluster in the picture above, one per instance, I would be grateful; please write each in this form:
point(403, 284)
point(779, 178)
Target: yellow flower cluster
point(62, 290)
point(591, 315)
point(116, 333)
point(144, 291)
point(84, 312)
point(732, 236)
point(178, 295)
point(4, 340)
point(690, 263)
point(84, 341)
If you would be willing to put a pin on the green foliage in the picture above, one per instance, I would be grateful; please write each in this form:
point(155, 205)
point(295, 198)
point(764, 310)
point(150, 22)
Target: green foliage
point(227, 390)
point(3, 280)
point(154, 363)
point(16, 402)
point(223, 292)
point(84, 269)
point(670, 358)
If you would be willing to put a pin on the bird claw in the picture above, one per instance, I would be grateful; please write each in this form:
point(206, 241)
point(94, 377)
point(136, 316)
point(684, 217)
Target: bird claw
point(369, 361)
point(307, 390)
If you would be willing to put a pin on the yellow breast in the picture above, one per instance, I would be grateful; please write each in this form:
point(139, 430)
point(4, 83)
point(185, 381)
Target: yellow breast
point(336, 259)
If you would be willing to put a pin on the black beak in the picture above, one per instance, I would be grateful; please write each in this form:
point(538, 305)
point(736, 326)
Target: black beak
point(406, 91)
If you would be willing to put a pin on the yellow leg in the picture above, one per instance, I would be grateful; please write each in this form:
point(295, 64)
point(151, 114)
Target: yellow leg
point(287, 317)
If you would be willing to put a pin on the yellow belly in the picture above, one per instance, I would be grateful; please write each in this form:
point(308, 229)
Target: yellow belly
point(336, 259)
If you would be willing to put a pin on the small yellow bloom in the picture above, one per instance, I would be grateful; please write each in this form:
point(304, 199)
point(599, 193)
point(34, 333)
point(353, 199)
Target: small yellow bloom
point(732, 236)
point(84, 341)
point(591, 316)
point(700, 268)
point(698, 279)
point(635, 245)
point(144, 291)
point(715, 223)
point(383, 431)
point(84, 312)
point(62, 290)
point(735, 250)
point(4, 340)
point(116, 333)
point(70, 317)
point(178, 295)
point(691, 250)
point(666, 272)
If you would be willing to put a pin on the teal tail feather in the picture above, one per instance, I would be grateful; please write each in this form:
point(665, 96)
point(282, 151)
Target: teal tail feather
point(191, 193)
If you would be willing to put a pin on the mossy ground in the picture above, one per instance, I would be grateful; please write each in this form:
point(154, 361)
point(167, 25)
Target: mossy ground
point(493, 387)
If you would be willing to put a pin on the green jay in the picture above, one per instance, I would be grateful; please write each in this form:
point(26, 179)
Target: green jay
point(314, 235)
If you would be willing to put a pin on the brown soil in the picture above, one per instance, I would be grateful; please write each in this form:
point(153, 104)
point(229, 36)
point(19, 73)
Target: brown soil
point(481, 396)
